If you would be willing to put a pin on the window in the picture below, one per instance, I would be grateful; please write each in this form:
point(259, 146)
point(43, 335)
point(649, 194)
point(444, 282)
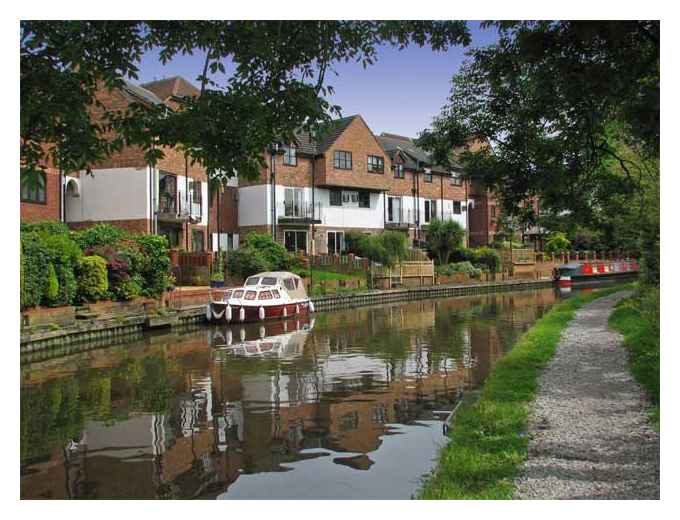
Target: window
point(336, 242)
point(427, 176)
point(350, 198)
point(376, 164)
point(336, 197)
point(275, 293)
point(265, 295)
point(456, 207)
point(342, 160)
point(394, 212)
point(172, 234)
point(250, 295)
point(227, 295)
point(268, 280)
point(295, 240)
point(238, 294)
point(493, 211)
point(364, 199)
point(195, 191)
point(34, 192)
point(253, 280)
point(290, 156)
point(456, 179)
point(293, 202)
point(289, 284)
point(398, 171)
point(430, 210)
point(197, 240)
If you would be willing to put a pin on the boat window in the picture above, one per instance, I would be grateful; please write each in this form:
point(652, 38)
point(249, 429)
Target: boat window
point(275, 293)
point(268, 280)
point(250, 295)
point(252, 280)
point(227, 295)
point(238, 293)
point(289, 284)
point(265, 295)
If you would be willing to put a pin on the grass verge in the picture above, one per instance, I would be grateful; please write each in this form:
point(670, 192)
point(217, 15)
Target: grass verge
point(637, 319)
point(489, 442)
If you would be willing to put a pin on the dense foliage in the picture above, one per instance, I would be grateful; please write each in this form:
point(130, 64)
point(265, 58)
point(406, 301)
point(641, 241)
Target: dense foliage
point(482, 257)
point(61, 267)
point(260, 252)
point(386, 248)
point(459, 267)
point(557, 243)
point(442, 238)
point(276, 84)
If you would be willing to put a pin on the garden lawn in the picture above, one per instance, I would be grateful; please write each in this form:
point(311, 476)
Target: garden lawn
point(489, 442)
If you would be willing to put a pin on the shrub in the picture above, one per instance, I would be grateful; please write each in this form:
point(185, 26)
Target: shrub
point(247, 261)
point(35, 261)
point(153, 263)
point(274, 253)
point(352, 239)
point(93, 282)
point(463, 254)
point(99, 235)
point(387, 248)
point(117, 266)
point(443, 237)
point(557, 243)
point(487, 258)
point(127, 289)
point(459, 267)
point(51, 286)
point(45, 227)
point(64, 255)
point(218, 268)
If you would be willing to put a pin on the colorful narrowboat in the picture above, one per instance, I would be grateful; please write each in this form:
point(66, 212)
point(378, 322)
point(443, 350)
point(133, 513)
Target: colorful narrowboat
point(578, 272)
point(264, 296)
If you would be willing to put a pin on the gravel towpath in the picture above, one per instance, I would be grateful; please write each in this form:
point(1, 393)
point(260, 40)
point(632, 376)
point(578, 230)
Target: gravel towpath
point(589, 436)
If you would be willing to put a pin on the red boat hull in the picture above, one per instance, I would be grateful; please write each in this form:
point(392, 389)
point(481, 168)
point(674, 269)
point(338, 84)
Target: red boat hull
point(252, 312)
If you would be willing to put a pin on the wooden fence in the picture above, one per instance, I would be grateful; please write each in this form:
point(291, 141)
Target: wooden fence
point(405, 274)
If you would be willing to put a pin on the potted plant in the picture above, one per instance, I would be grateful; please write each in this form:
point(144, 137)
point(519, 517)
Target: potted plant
point(217, 276)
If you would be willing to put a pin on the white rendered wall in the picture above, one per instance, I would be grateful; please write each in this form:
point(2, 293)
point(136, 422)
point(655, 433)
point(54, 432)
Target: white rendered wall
point(253, 206)
point(110, 194)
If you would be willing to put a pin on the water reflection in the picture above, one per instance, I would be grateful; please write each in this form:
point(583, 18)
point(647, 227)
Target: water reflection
point(347, 404)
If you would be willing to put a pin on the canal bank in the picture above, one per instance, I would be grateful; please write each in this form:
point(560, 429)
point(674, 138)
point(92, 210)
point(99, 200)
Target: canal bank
point(489, 437)
point(85, 334)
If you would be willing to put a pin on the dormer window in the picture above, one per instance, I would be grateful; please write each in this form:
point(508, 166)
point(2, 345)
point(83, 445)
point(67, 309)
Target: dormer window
point(398, 171)
point(427, 177)
point(456, 179)
point(376, 164)
point(290, 156)
point(342, 160)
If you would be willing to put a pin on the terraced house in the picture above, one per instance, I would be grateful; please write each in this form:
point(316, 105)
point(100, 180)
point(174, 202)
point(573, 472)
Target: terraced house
point(169, 198)
point(310, 194)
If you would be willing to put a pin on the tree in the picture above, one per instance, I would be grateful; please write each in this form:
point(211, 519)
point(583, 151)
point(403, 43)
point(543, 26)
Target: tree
point(275, 85)
point(443, 238)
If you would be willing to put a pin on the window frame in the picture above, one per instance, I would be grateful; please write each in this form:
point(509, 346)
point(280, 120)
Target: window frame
point(367, 195)
point(456, 179)
point(399, 168)
point(290, 156)
point(339, 160)
point(27, 199)
point(459, 205)
point(371, 167)
point(427, 176)
point(330, 197)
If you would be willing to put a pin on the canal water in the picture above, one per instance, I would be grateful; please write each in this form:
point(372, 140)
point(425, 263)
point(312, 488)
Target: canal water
point(347, 404)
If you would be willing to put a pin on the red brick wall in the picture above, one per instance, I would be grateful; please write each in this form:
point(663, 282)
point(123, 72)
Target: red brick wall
point(34, 212)
point(358, 139)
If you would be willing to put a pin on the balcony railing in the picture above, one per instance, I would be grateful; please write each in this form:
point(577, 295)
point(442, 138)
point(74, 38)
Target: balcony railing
point(300, 212)
point(400, 218)
point(177, 209)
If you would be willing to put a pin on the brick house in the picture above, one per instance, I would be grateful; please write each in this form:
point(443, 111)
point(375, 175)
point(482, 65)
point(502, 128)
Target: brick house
point(169, 198)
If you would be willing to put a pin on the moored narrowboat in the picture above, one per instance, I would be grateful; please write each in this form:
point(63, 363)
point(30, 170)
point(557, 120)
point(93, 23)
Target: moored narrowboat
point(264, 296)
point(579, 272)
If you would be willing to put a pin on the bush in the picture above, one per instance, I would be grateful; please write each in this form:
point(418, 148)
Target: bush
point(557, 243)
point(45, 227)
point(487, 258)
point(127, 289)
point(51, 295)
point(217, 274)
point(99, 235)
point(93, 282)
point(247, 261)
point(153, 265)
point(35, 269)
point(276, 256)
point(352, 239)
point(459, 267)
point(64, 254)
point(387, 248)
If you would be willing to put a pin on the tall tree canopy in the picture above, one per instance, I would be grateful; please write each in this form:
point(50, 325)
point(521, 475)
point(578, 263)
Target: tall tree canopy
point(557, 100)
point(276, 84)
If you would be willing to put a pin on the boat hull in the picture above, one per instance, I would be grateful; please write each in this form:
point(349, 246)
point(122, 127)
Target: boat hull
point(252, 312)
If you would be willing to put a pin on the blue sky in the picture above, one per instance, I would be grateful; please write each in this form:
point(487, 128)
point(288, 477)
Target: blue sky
point(398, 94)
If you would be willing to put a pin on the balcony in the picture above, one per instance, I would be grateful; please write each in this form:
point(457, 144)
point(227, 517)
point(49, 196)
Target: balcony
point(174, 209)
point(299, 213)
point(399, 219)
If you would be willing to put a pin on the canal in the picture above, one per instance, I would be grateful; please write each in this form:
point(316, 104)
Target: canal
point(347, 404)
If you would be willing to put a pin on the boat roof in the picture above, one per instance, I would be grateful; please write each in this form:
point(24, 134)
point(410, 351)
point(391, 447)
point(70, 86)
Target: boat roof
point(276, 274)
point(569, 266)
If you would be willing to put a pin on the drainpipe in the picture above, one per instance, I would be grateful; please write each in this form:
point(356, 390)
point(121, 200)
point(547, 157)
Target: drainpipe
point(312, 243)
point(62, 197)
point(417, 203)
point(441, 195)
point(467, 217)
point(274, 150)
point(186, 190)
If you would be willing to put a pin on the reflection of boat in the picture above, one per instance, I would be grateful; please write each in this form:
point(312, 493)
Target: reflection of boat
point(285, 339)
point(579, 272)
point(264, 296)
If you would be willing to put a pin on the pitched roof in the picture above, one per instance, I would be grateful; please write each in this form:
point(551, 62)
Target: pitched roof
point(393, 143)
point(141, 93)
point(306, 143)
point(176, 86)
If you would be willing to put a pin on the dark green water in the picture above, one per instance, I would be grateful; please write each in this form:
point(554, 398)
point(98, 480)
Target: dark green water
point(348, 405)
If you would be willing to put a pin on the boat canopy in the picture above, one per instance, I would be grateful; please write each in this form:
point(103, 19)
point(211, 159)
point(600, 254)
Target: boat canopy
point(294, 285)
